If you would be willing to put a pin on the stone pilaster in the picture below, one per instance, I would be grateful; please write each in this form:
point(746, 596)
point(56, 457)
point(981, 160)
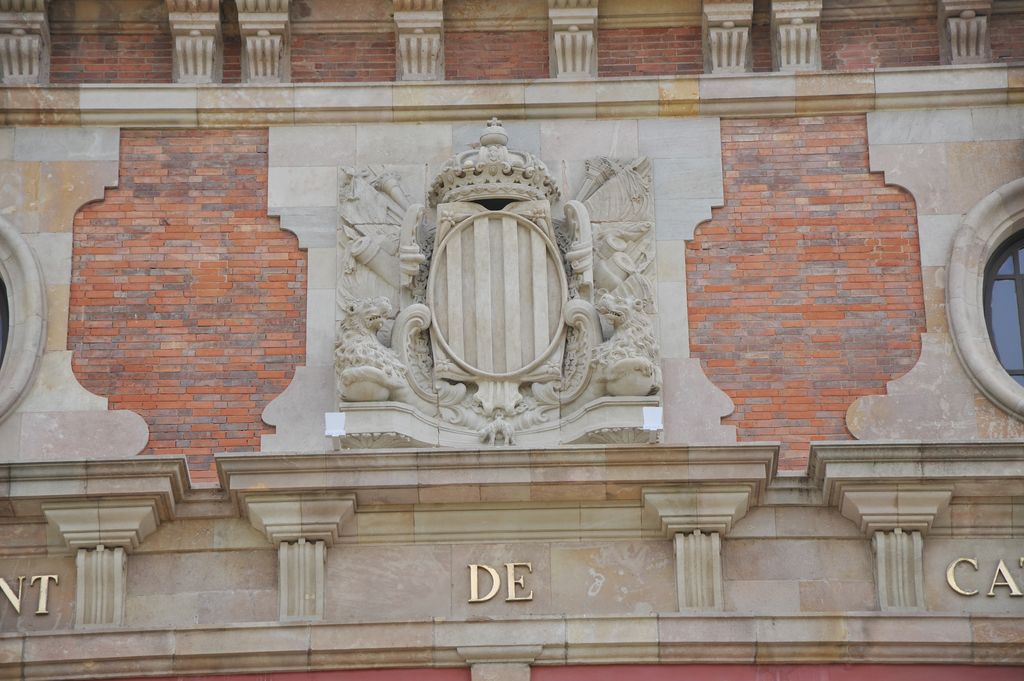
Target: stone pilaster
point(796, 44)
point(24, 43)
point(419, 39)
point(198, 48)
point(696, 518)
point(963, 31)
point(726, 36)
point(266, 41)
point(303, 527)
point(573, 36)
point(100, 586)
point(104, 532)
point(899, 569)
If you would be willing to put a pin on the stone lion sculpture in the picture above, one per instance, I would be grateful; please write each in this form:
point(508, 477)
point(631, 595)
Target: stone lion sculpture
point(365, 369)
point(626, 361)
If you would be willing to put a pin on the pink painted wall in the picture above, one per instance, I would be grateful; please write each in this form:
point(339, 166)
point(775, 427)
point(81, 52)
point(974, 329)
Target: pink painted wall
point(811, 672)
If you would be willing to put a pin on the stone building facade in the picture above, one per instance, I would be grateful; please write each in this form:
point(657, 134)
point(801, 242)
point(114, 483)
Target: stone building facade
point(451, 339)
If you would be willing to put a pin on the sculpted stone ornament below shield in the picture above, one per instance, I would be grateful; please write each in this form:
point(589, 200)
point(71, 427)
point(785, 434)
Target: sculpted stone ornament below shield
point(494, 322)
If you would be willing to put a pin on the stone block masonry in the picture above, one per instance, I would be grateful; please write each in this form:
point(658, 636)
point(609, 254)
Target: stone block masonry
point(805, 288)
point(187, 301)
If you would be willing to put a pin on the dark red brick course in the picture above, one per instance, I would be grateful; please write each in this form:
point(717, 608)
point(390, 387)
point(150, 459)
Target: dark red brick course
point(805, 288)
point(496, 55)
point(649, 51)
point(857, 45)
point(343, 58)
point(120, 58)
point(188, 302)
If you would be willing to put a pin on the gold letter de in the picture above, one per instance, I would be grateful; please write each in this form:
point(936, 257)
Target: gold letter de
point(951, 576)
point(474, 583)
point(510, 568)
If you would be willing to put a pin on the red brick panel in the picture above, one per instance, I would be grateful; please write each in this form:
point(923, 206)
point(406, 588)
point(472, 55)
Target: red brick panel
point(1007, 33)
point(343, 58)
point(122, 58)
point(856, 45)
point(805, 288)
point(187, 301)
point(649, 51)
point(496, 55)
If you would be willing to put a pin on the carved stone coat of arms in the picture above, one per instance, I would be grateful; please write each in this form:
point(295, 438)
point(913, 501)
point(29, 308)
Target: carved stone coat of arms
point(482, 318)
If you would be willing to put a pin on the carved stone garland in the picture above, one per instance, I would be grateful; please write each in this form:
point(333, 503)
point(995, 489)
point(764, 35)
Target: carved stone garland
point(500, 324)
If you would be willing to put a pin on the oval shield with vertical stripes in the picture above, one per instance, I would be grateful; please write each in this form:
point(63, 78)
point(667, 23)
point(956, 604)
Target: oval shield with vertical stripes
point(497, 288)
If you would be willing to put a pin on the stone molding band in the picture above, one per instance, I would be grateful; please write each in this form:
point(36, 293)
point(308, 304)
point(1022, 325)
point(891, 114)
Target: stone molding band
point(728, 96)
point(663, 639)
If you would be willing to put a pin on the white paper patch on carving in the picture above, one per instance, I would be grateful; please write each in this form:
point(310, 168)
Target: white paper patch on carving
point(652, 418)
point(334, 424)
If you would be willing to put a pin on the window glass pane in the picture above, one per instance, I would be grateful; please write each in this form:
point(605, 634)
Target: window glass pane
point(1006, 325)
point(5, 320)
point(1007, 265)
point(1019, 379)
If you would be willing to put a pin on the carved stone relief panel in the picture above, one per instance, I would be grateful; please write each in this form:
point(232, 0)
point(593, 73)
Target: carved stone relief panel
point(483, 317)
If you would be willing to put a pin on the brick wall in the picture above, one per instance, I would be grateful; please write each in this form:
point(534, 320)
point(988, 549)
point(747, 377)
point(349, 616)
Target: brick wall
point(805, 288)
point(649, 51)
point(854, 45)
point(343, 58)
point(122, 58)
point(187, 301)
point(497, 55)
point(1007, 33)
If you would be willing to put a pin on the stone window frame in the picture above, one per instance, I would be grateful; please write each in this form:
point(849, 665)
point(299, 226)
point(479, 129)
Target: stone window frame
point(984, 230)
point(26, 296)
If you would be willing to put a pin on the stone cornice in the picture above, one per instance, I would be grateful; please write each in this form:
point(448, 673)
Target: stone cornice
point(159, 483)
point(779, 639)
point(768, 94)
point(565, 473)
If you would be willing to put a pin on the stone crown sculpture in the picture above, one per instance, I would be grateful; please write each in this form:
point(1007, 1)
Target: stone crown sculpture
point(494, 322)
point(493, 172)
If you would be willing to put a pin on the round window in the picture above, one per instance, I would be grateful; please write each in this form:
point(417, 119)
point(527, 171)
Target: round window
point(1004, 304)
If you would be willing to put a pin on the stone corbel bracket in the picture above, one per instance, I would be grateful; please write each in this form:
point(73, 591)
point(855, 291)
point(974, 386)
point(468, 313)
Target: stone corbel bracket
point(24, 43)
point(500, 663)
point(288, 517)
point(573, 37)
point(963, 31)
point(266, 41)
point(198, 47)
point(726, 37)
point(796, 43)
point(117, 522)
point(419, 39)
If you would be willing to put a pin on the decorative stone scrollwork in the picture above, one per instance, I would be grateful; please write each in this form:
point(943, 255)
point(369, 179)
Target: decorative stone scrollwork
point(795, 42)
point(573, 38)
point(498, 336)
point(419, 37)
point(963, 31)
point(24, 42)
point(266, 39)
point(726, 29)
point(198, 48)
